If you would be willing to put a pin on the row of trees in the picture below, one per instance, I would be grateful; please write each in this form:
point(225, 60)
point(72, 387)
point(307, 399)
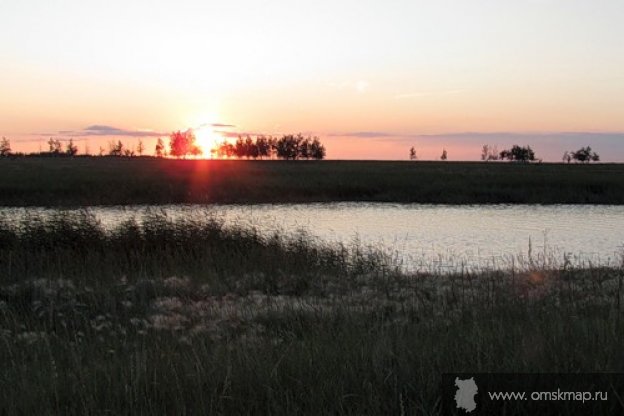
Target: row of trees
point(526, 154)
point(523, 154)
point(289, 147)
point(516, 153)
point(583, 155)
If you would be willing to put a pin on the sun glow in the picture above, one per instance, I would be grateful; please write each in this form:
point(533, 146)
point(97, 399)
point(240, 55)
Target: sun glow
point(208, 140)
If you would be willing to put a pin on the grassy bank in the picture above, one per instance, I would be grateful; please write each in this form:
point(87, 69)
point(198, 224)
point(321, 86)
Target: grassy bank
point(191, 318)
point(120, 181)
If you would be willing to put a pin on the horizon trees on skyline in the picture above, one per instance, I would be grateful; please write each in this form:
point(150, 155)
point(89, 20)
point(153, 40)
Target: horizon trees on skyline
point(583, 155)
point(182, 144)
point(288, 147)
point(5, 147)
point(518, 154)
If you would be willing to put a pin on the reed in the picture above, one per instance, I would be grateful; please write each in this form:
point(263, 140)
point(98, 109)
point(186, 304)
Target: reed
point(171, 317)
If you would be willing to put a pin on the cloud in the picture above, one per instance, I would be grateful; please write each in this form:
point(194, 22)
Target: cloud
point(217, 125)
point(235, 134)
point(492, 136)
point(103, 130)
point(365, 134)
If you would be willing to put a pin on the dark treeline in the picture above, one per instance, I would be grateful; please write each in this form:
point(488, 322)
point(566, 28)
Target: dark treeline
point(289, 147)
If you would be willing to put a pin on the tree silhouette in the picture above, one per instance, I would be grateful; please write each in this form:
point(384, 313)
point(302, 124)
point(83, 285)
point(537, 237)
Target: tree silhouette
point(264, 146)
point(160, 148)
point(444, 155)
point(412, 154)
point(55, 146)
point(489, 153)
point(317, 150)
point(71, 149)
point(519, 154)
point(585, 155)
point(287, 147)
point(140, 148)
point(251, 148)
point(182, 144)
point(115, 149)
point(5, 147)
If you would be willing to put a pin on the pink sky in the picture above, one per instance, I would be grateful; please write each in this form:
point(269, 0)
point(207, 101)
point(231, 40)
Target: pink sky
point(369, 79)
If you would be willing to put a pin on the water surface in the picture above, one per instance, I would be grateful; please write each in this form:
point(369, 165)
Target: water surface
point(421, 235)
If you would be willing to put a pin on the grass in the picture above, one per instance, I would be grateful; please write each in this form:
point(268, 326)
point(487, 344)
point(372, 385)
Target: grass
point(170, 317)
point(120, 181)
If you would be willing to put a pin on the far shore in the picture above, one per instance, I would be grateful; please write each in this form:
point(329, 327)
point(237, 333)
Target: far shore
point(91, 181)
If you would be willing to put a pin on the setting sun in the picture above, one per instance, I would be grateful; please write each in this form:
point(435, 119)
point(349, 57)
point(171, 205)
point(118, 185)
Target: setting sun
point(207, 140)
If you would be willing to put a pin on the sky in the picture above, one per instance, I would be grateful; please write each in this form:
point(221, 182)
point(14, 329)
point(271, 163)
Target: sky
point(371, 78)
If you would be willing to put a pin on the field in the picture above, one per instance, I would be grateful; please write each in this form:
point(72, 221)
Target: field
point(191, 317)
point(170, 317)
point(84, 181)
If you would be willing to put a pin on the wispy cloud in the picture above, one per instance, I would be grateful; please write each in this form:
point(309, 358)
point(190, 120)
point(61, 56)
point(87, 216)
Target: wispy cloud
point(365, 134)
point(560, 139)
point(103, 130)
point(216, 125)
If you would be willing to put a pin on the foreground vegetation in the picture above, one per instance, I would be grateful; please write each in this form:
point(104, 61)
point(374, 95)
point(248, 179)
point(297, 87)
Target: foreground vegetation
point(167, 317)
point(84, 181)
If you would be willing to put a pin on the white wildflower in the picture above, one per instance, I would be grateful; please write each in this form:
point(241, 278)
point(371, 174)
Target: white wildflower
point(175, 282)
point(173, 322)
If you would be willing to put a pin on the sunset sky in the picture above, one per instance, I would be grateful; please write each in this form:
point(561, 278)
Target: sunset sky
point(371, 78)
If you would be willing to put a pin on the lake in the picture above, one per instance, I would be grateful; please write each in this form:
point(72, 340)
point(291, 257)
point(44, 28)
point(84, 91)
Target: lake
point(421, 236)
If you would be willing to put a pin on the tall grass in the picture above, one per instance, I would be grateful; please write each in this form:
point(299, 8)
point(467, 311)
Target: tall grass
point(168, 317)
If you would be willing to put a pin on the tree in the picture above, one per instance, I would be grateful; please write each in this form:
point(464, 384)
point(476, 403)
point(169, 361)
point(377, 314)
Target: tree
point(182, 144)
point(287, 147)
point(55, 146)
point(412, 154)
point(140, 148)
point(5, 147)
point(160, 148)
point(71, 149)
point(239, 147)
point(115, 149)
point(567, 156)
point(444, 155)
point(264, 147)
point(585, 155)
point(272, 146)
point(317, 150)
point(489, 153)
point(226, 149)
point(519, 154)
point(251, 148)
point(305, 147)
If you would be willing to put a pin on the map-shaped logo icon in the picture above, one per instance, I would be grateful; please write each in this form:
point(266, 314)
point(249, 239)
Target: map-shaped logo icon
point(465, 395)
